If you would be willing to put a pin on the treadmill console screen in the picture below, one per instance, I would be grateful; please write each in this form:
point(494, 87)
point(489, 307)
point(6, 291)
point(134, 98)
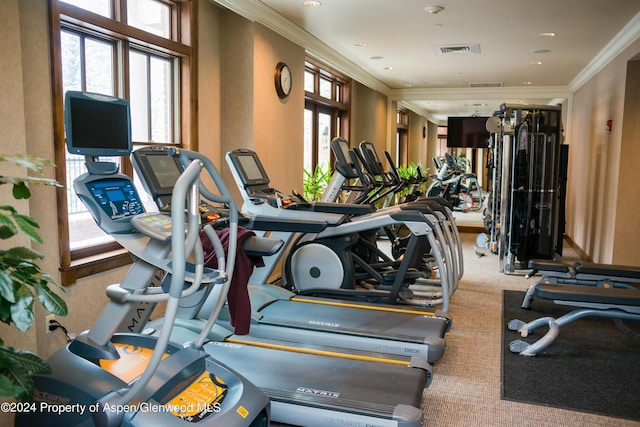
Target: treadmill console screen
point(249, 168)
point(166, 170)
point(117, 197)
point(158, 173)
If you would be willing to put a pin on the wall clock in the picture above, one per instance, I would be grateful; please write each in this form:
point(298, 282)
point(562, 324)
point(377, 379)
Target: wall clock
point(283, 80)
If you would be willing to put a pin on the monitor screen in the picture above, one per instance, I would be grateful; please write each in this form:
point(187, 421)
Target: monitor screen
point(344, 162)
point(97, 125)
point(340, 148)
point(158, 172)
point(117, 197)
point(370, 156)
point(249, 168)
point(166, 170)
point(467, 132)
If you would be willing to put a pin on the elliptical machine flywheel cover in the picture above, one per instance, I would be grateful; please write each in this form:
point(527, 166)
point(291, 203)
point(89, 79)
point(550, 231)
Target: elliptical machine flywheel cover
point(316, 266)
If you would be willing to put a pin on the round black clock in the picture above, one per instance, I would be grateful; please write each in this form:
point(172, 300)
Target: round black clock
point(283, 80)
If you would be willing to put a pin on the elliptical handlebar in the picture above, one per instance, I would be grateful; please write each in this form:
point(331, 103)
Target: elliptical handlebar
point(224, 196)
point(183, 239)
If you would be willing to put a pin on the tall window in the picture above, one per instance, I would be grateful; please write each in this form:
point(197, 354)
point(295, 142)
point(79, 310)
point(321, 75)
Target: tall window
point(325, 114)
point(132, 49)
point(402, 137)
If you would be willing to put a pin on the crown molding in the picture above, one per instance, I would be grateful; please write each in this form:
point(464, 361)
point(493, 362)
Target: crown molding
point(480, 93)
point(620, 42)
point(256, 11)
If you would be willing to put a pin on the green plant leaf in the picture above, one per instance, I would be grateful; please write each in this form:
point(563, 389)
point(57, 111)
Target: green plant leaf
point(7, 226)
point(25, 219)
point(16, 368)
point(6, 287)
point(28, 161)
point(28, 226)
point(315, 183)
point(21, 379)
point(29, 361)
point(7, 389)
point(18, 274)
point(21, 191)
point(20, 252)
point(22, 310)
point(7, 232)
point(5, 311)
point(50, 300)
point(51, 281)
point(42, 181)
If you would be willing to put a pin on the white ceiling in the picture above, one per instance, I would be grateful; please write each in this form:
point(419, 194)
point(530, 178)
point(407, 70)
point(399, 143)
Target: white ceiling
point(400, 35)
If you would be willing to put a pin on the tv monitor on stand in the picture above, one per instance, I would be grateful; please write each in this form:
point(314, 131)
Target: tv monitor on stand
point(97, 125)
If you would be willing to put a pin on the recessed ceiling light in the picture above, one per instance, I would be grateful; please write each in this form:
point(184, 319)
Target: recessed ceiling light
point(549, 34)
point(541, 51)
point(536, 63)
point(312, 3)
point(360, 44)
point(528, 83)
point(388, 68)
point(375, 58)
point(434, 9)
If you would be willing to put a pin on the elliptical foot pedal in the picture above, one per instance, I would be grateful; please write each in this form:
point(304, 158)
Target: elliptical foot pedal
point(515, 324)
point(518, 346)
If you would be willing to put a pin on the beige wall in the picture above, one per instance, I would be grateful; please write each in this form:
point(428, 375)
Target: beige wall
point(417, 142)
point(209, 82)
point(432, 144)
point(369, 118)
point(271, 126)
point(12, 121)
point(627, 229)
point(278, 124)
point(596, 206)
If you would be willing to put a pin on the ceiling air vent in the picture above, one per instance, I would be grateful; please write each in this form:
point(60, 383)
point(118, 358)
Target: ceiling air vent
point(486, 84)
point(456, 49)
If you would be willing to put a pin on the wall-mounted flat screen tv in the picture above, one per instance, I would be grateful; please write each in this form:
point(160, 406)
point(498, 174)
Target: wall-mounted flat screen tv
point(467, 132)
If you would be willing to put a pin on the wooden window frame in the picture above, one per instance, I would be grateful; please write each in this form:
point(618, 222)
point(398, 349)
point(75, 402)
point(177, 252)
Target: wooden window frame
point(338, 106)
point(99, 258)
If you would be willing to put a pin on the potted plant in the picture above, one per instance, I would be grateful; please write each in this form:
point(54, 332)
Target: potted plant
point(315, 183)
point(414, 175)
point(21, 280)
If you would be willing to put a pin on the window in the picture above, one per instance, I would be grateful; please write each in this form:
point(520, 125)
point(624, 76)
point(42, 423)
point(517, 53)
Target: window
point(131, 49)
point(325, 114)
point(402, 137)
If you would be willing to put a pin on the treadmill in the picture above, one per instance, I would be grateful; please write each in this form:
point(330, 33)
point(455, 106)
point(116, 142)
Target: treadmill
point(281, 315)
point(308, 385)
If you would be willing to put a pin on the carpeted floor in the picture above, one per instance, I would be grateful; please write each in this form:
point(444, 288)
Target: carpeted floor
point(466, 388)
point(592, 366)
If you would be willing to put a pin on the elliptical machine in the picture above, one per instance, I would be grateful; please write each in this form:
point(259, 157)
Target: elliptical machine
point(452, 183)
point(105, 378)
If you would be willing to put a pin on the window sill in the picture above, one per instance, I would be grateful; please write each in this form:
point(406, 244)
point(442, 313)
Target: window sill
point(84, 267)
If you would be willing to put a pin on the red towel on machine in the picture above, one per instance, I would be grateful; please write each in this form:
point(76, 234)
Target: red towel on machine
point(238, 297)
